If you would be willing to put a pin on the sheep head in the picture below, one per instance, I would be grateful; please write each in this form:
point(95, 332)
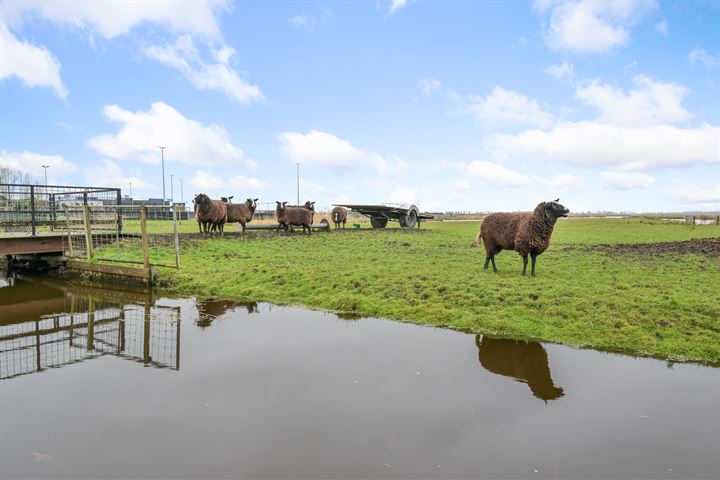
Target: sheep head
point(202, 200)
point(555, 209)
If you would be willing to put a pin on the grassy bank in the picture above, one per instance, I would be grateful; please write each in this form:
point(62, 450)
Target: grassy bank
point(662, 305)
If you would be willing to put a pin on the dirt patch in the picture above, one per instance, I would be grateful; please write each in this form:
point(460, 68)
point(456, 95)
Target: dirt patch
point(709, 247)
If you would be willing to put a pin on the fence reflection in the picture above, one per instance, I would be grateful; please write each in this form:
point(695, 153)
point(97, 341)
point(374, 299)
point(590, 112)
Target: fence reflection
point(89, 327)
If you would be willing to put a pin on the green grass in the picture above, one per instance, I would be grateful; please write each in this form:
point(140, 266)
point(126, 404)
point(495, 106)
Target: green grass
point(664, 306)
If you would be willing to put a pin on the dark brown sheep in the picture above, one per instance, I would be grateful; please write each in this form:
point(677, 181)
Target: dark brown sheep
point(209, 213)
point(288, 216)
point(339, 215)
point(241, 213)
point(526, 233)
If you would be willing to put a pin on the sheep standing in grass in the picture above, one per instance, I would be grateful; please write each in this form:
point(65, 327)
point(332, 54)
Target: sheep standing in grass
point(209, 213)
point(241, 213)
point(526, 233)
point(288, 215)
point(338, 215)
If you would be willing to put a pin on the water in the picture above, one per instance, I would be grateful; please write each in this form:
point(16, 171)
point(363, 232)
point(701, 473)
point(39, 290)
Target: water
point(220, 390)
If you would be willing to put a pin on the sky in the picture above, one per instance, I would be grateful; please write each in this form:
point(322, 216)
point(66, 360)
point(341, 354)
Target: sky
point(450, 105)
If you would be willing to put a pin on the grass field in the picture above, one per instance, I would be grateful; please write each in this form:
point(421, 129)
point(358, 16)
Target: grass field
point(661, 305)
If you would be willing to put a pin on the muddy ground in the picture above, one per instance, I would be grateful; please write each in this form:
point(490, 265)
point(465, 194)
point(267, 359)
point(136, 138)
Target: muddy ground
point(709, 247)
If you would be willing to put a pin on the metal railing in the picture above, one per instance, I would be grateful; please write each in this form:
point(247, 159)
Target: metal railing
point(39, 209)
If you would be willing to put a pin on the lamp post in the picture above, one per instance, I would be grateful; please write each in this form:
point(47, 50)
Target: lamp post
point(182, 198)
point(131, 197)
point(162, 157)
point(45, 167)
point(298, 183)
point(172, 196)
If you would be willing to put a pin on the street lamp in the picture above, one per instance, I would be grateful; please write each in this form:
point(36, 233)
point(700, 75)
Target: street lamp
point(131, 197)
point(45, 167)
point(162, 156)
point(172, 196)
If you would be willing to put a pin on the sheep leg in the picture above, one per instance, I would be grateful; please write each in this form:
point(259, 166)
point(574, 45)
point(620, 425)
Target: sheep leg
point(487, 262)
point(492, 257)
point(534, 257)
point(525, 260)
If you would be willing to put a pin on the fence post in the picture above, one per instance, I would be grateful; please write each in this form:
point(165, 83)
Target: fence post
point(119, 214)
point(117, 233)
point(32, 209)
point(53, 217)
point(177, 240)
point(69, 232)
point(144, 237)
point(88, 232)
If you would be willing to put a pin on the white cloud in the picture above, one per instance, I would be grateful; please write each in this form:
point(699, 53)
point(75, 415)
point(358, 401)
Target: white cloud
point(508, 108)
point(652, 103)
point(184, 56)
point(205, 181)
point(31, 163)
point(301, 21)
point(561, 71)
point(699, 55)
point(326, 150)
point(404, 195)
point(484, 174)
point(113, 19)
point(187, 141)
point(588, 26)
point(495, 174)
point(563, 182)
point(626, 180)
point(592, 143)
point(661, 27)
point(707, 194)
point(320, 148)
point(429, 85)
point(109, 174)
point(397, 5)
point(34, 65)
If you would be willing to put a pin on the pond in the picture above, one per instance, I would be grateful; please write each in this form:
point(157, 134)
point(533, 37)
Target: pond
point(106, 384)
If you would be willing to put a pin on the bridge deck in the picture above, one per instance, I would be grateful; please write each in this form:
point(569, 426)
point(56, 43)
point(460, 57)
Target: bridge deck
point(27, 244)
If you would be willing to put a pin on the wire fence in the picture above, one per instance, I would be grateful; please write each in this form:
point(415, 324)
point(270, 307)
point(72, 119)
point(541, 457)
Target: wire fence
point(142, 333)
point(142, 235)
point(39, 209)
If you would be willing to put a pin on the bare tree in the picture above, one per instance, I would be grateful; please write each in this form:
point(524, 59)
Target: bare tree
point(13, 175)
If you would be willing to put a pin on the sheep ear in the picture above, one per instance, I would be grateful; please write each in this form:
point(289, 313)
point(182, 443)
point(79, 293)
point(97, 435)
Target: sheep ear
point(255, 199)
point(556, 200)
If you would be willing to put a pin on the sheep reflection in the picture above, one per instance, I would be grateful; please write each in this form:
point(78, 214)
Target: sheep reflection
point(209, 310)
point(526, 362)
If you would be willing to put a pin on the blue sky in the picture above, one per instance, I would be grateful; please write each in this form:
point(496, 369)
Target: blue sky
point(478, 106)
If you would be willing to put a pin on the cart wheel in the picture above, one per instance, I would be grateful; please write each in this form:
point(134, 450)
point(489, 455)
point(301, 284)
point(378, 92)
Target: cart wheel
point(411, 218)
point(378, 222)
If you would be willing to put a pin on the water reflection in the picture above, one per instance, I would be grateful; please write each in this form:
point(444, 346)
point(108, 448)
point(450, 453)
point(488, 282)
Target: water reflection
point(49, 324)
point(526, 362)
point(209, 310)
